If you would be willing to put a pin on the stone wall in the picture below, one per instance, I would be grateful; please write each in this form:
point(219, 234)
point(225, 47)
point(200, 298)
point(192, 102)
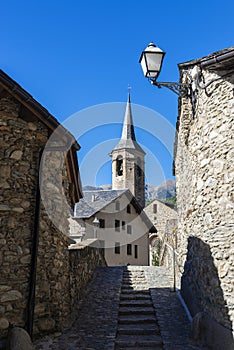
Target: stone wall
point(160, 215)
point(164, 218)
point(204, 174)
point(22, 138)
point(21, 142)
point(84, 257)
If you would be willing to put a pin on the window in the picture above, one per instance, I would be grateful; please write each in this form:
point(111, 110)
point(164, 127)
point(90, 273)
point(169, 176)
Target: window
point(117, 248)
point(129, 229)
point(101, 223)
point(117, 205)
point(129, 209)
point(119, 166)
point(135, 251)
point(129, 249)
point(123, 225)
point(117, 225)
point(155, 208)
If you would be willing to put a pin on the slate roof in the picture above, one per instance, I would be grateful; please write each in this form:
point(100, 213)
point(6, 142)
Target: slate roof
point(128, 138)
point(87, 207)
point(95, 201)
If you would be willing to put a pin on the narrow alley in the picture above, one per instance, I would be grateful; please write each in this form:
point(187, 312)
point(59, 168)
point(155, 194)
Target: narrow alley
point(126, 308)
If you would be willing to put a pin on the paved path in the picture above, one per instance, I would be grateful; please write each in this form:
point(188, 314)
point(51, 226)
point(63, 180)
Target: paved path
point(98, 320)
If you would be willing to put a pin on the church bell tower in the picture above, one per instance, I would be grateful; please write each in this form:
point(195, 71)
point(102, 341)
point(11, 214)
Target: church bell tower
point(128, 164)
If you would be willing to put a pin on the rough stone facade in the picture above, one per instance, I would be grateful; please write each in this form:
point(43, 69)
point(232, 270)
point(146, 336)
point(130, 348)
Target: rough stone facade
point(164, 218)
point(204, 173)
point(59, 271)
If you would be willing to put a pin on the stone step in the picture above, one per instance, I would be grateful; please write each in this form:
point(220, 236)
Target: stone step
point(127, 341)
point(135, 329)
point(135, 282)
point(149, 310)
point(132, 291)
point(136, 319)
point(135, 296)
point(133, 277)
point(117, 347)
point(134, 285)
point(129, 279)
point(136, 302)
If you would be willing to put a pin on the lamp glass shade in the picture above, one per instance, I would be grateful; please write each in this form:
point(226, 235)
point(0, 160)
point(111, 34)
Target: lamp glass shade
point(151, 61)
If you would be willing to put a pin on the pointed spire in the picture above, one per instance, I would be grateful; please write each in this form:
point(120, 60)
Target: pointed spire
point(128, 132)
point(128, 138)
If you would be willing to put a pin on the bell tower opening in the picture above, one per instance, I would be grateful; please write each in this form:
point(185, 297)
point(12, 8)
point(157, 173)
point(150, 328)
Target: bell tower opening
point(119, 166)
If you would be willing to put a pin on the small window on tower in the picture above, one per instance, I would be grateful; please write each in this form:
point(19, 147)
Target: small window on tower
point(119, 166)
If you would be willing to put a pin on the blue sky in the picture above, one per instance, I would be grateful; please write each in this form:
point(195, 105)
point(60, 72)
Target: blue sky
point(72, 55)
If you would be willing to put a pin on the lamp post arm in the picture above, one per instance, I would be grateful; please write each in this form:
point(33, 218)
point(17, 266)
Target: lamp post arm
point(181, 89)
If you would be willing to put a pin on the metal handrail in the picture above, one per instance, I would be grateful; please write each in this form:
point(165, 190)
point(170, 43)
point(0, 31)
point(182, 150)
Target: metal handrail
point(175, 262)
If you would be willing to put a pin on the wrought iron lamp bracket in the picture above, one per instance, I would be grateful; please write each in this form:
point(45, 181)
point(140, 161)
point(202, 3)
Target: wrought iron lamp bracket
point(181, 89)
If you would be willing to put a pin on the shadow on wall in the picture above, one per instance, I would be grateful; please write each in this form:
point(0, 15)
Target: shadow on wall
point(202, 292)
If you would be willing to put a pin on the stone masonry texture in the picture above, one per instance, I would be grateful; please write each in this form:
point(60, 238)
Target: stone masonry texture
point(61, 273)
point(204, 172)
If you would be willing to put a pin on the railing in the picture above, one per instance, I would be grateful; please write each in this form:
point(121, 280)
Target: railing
point(170, 235)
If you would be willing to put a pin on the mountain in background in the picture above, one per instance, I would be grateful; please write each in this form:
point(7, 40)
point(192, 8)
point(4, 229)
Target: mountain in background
point(166, 190)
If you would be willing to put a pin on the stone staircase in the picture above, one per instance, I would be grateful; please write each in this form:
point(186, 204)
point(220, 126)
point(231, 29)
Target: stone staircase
point(137, 324)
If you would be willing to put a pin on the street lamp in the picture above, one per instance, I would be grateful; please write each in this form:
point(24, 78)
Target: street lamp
point(96, 224)
point(151, 62)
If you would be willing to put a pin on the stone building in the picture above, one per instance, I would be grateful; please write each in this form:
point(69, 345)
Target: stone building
point(128, 164)
point(41, 279)
point(164, 218)
point(204, 172)
point(123, 230)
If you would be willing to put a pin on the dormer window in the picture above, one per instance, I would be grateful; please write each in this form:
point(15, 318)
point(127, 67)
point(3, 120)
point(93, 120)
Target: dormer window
point(119, 166)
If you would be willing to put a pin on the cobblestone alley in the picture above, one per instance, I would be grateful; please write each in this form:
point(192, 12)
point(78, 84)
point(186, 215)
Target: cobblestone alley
point(126, 308)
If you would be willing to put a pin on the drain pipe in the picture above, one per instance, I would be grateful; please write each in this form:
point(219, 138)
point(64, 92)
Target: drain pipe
point(33, 270)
